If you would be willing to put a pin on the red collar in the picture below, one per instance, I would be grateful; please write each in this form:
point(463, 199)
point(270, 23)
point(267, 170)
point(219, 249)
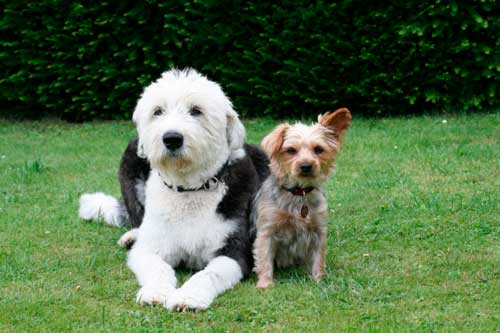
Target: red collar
point(301, 191)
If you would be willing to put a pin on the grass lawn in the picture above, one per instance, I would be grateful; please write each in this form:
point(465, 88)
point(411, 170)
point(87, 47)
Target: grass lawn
point(414, 238)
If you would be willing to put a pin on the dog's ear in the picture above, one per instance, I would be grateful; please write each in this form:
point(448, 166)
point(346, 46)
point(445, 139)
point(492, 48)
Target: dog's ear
point(140, 149)
point(235, 135)
point(140, 145)
point(273, 142)
point(338, 122)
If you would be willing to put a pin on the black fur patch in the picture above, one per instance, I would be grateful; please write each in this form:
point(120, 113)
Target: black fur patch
point(243, 180)
point(133, 169)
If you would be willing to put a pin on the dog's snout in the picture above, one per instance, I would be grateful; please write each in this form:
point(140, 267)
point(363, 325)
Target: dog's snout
point(306, 168)
point(173, 140)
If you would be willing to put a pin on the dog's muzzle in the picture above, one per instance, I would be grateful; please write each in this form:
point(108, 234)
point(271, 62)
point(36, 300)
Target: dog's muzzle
point(306, 169)
point(173, 140)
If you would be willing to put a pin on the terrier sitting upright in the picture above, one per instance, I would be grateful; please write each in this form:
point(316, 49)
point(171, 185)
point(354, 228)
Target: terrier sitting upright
point(291, 210)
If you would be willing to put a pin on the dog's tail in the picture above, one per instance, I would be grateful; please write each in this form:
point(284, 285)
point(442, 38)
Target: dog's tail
point(102, 207)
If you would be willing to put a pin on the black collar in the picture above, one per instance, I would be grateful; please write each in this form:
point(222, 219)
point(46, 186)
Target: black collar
point(205, 186)
point(300, 190)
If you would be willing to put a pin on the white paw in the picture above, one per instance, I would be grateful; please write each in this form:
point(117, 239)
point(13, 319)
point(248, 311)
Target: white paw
point(128, 239)
point(188, 299)
point(149, 295)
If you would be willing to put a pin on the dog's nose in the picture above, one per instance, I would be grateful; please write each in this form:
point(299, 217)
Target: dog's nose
point(306, 168)
point(173, 140)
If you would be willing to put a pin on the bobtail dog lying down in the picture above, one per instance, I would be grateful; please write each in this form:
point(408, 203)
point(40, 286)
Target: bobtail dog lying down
point(188, 183)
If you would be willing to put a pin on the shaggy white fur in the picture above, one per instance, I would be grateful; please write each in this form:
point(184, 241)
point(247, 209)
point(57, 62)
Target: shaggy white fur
point(210, 138)
point(180, 227)
point(184, 227)
point(97, 206)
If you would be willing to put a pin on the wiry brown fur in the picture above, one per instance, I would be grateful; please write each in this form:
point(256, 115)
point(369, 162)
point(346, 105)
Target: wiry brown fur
point(284, 236)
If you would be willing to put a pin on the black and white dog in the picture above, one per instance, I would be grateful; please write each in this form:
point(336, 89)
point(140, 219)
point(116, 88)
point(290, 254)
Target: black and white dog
point(188, 182)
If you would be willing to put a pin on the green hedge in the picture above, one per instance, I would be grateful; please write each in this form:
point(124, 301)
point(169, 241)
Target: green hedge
point(90, 59)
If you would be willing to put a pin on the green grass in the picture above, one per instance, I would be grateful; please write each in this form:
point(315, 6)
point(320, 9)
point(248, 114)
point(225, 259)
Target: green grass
point(414, 238)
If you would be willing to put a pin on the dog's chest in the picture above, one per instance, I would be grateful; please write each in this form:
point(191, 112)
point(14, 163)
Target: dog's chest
point(185, 227)
point(295, 239)
point(296, 230)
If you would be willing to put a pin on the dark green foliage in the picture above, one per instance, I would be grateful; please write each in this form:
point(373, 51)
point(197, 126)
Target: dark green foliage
point(90, 59)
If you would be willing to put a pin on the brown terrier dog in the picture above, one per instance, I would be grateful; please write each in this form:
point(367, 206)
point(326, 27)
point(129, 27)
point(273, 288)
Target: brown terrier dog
point(290, 210)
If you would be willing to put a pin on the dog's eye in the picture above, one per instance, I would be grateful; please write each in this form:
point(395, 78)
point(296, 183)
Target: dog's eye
point(318, 150)
point(291, 151)
point(157, 111)
point(195, 111)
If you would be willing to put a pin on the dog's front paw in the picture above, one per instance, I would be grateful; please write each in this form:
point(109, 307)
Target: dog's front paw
point(188, 299)
point(264, 283)
point(317, 276)
point(318, 273)
point(149, 295)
